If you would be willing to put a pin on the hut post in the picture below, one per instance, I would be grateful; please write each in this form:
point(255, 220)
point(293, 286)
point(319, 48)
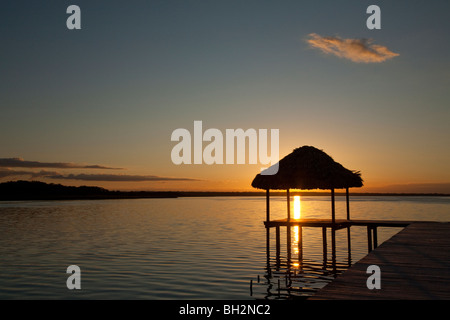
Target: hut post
point(333, 232)
point(349, 245)
point(278, 249)
point(348, 203)
point(288, 205)
point(369, 238)
point(268, 228)
point(324, 240)
point(288, 235)
point(332, 207)
point(300, 244)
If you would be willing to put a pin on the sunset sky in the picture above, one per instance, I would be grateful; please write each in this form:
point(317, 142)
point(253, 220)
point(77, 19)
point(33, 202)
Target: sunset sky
point(97, 106)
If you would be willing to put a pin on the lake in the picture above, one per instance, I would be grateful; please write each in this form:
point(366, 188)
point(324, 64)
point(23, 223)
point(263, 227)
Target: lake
point(183, 248)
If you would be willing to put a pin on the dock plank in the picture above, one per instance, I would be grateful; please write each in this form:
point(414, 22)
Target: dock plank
point(414, 264)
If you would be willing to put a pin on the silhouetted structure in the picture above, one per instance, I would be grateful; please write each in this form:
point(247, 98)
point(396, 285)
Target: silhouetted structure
point(309, 168)
point(306, 168)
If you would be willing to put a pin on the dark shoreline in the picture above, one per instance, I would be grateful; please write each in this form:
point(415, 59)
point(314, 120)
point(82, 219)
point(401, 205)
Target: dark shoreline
point(34, 190)
point(301, 193)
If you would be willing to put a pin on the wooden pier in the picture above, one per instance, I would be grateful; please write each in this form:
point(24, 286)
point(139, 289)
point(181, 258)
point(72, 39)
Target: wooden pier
point(414, 265)
point(333, 225)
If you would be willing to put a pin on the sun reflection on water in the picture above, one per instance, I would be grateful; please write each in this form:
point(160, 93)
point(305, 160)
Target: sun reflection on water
point(297, 215)
point(297, 207)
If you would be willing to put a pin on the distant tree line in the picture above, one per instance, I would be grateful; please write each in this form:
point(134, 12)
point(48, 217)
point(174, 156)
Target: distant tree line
point(36, 190)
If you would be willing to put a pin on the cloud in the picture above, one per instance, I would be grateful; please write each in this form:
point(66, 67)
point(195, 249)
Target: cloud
point(20, 163)
point(4, 173)
point(14, 173)
point(11, 173)
point(7, 163)
point(116, 177)
point(356, 50)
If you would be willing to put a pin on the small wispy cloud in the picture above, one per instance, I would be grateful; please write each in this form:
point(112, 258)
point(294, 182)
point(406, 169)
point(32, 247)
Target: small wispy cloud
point(8, 173)
point(356, 50)
point(116, 177)
point(4, 173)
point(21, 163)
point(7, 163)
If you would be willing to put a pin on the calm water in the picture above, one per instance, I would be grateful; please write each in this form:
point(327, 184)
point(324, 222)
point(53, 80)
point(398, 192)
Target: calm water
point(186, 248)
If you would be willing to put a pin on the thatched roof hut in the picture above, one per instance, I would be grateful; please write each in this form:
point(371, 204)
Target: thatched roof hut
point(308, 168)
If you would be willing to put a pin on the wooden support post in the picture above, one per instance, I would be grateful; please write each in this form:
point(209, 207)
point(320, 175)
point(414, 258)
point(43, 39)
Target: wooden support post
point(349, 242)
point(267, 228)
point(300, 244)
point(333, 242)
point(333, 249)
point(375, 237)
point(324, 240)
point(268, 244)
point(349, 245)
point(288, 240)
point(277, 229)
point(333, 219)
point(369, 238)
point(288, 233)
point(288, 205)
point(347, 197)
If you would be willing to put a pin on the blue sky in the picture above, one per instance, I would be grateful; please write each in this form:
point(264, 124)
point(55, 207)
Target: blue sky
point(112, 93)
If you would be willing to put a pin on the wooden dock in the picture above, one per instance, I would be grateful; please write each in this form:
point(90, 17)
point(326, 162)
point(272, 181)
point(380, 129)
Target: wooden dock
point(414, 265)
point(338, 223)
point(333, 225)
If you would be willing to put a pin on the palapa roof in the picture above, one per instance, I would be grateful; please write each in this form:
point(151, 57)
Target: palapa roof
point(309, 168)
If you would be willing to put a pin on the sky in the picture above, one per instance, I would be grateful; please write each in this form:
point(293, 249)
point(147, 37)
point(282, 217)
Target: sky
point(98, 105)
